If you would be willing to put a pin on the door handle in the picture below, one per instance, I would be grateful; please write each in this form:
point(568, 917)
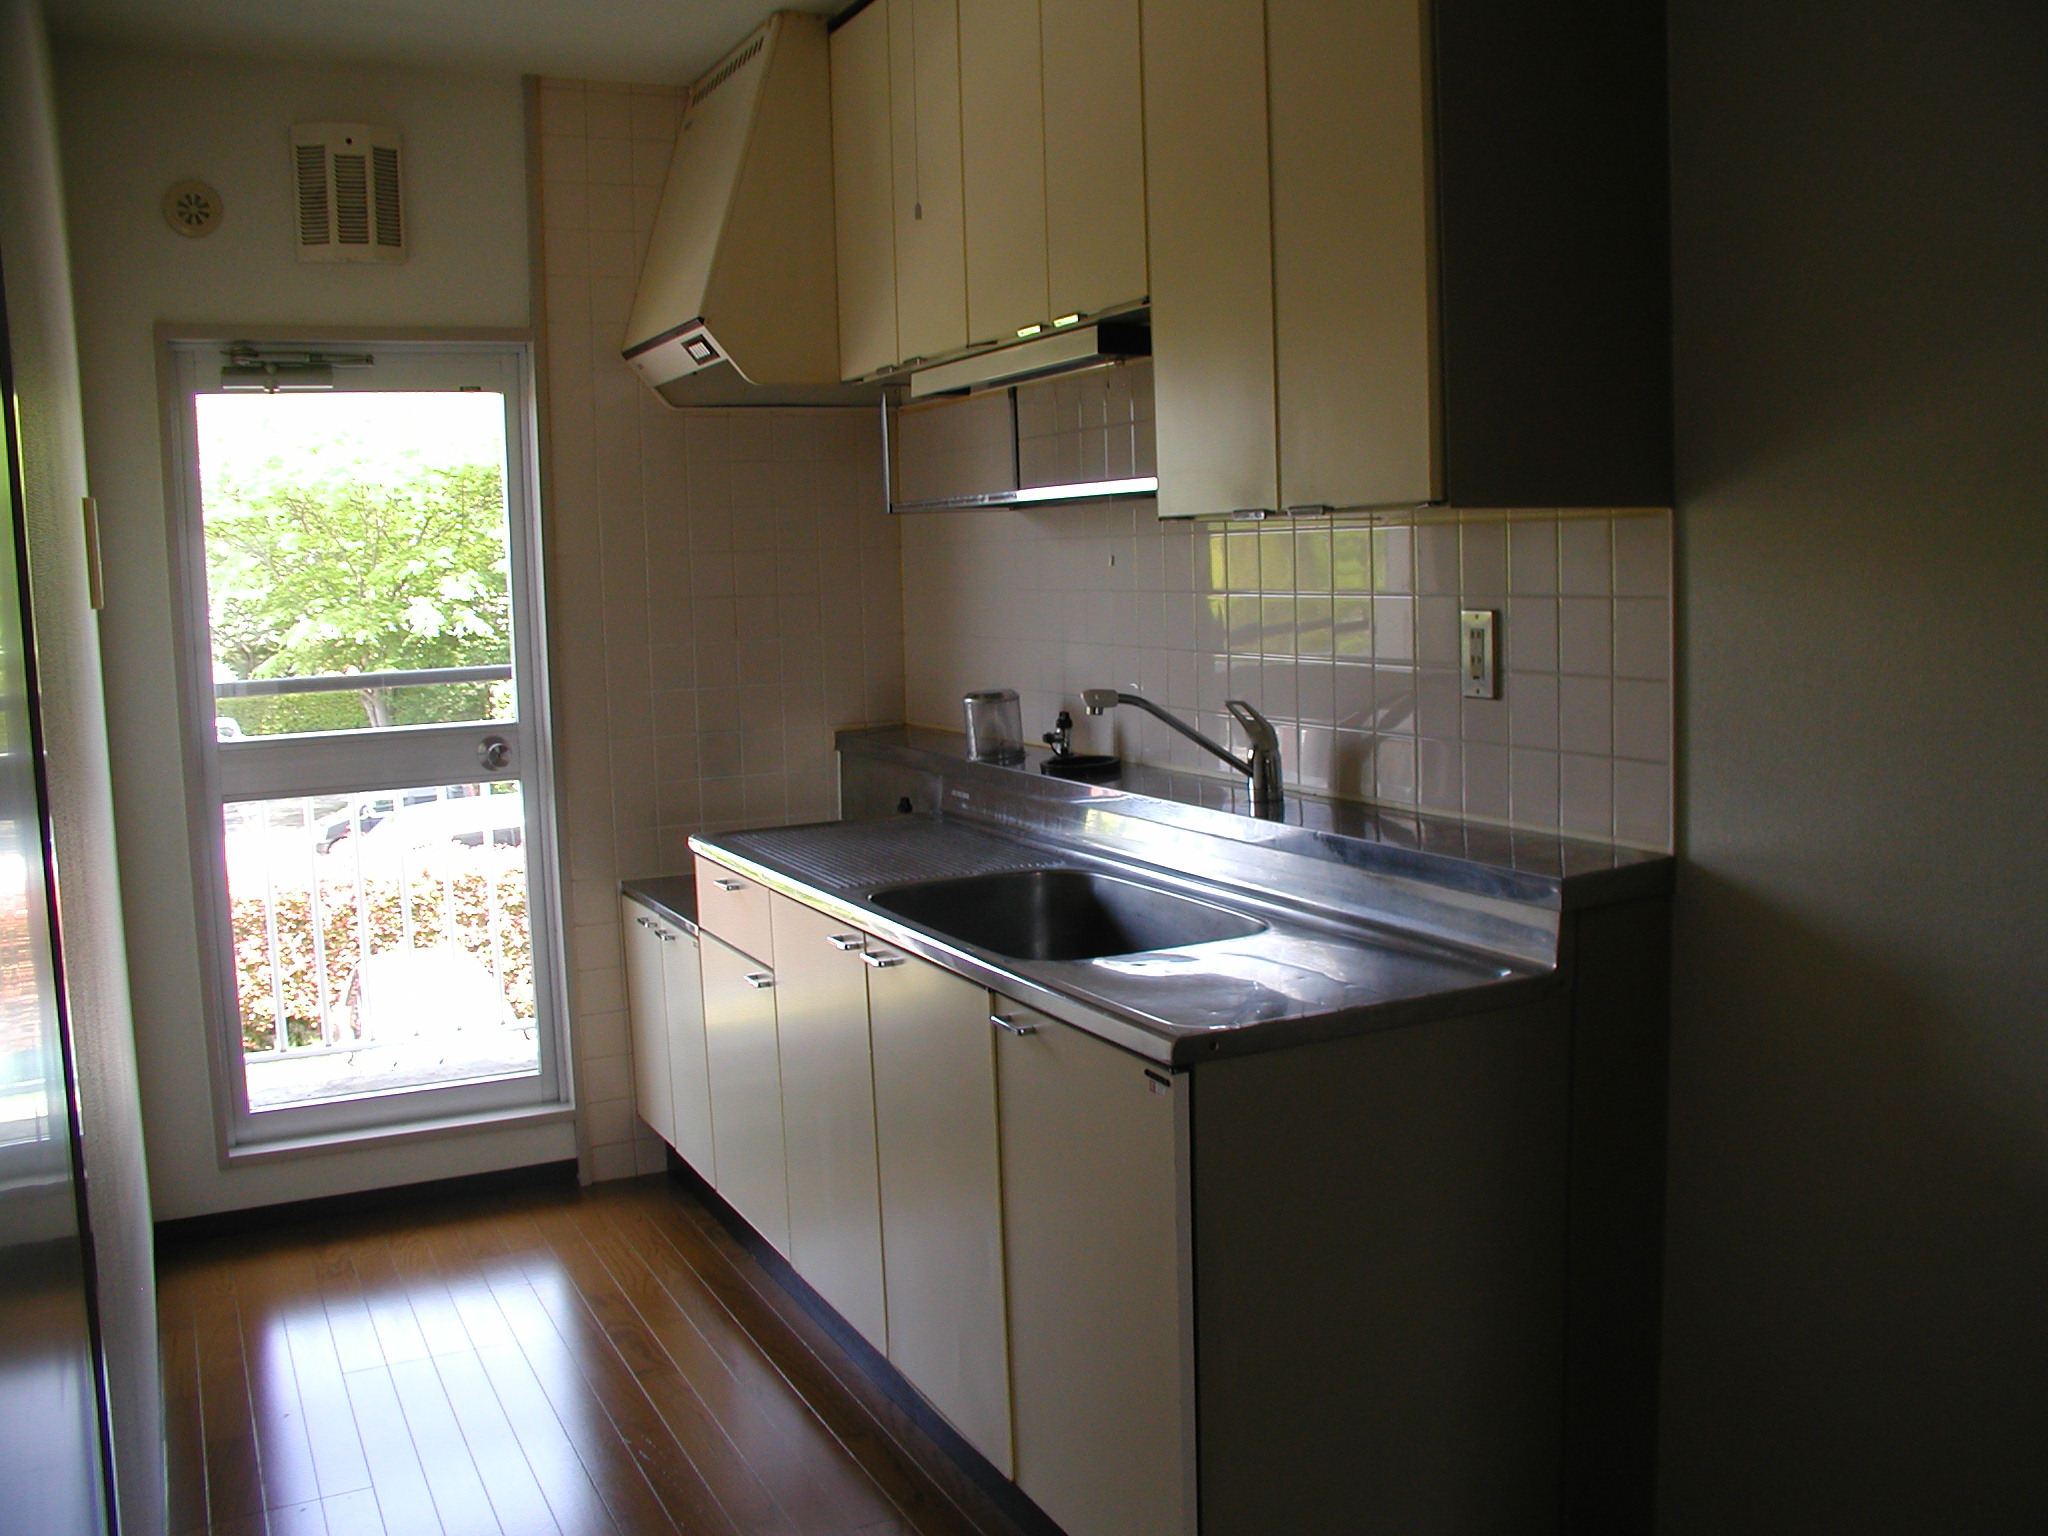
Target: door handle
point(494, 752)
point(730, 885)
point(846, 941)
point(1011, 1023)
point(880, 962)
point(643, 922)
point(666, 936)
point(760, 981)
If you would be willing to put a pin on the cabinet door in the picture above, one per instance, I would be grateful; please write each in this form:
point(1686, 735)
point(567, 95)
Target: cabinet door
point(828, 1113)
point(647, 1017)
point(1210, 237)
point(924, 126)
point(746, 1088)
point(1094, 155)
point(1002, 167)
point(863, 198)
point(1091, 1235)
point(689, 1073)
point(1352, 252)
point(942, 1221)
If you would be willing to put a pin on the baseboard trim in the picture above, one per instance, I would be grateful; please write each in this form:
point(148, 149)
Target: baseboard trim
point(190, 1229)
point(1012, 1501)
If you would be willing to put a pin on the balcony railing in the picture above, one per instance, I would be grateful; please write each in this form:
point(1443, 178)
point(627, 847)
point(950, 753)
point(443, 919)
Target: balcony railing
point(349, 682)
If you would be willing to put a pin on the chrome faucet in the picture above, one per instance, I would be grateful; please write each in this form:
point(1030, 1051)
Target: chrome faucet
point(1261, 769)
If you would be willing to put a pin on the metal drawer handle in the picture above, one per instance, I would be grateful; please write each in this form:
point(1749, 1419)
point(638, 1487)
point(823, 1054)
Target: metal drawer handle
point(1012, 1023)
point(845, 941)
point(760, 981)
point(730, 885)
point(881, 962)
point(643, 922)
point(666, 936)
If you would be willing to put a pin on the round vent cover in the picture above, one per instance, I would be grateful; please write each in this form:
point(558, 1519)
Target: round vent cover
point(192, 208)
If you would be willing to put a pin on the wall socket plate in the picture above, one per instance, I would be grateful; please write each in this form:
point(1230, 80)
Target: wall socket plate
point(1479, 652)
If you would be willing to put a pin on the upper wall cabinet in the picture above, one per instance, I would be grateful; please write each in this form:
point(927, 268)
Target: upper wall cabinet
point(863, 196)
point(1011, 195)
point(1405, 253)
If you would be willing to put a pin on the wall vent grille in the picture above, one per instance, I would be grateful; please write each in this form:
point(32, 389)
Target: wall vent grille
point(350, 201)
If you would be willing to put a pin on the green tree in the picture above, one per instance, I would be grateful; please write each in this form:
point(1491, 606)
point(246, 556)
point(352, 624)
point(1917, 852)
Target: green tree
point(345, 571)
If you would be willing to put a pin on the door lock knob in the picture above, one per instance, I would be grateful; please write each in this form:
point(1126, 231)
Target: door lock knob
point(494, 752)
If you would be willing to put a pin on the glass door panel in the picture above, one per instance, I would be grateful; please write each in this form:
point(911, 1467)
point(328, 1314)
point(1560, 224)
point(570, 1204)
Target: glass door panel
point(381, 942)
point(362, 604)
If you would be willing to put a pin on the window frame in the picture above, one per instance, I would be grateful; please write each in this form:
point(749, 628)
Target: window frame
point(240, 1133)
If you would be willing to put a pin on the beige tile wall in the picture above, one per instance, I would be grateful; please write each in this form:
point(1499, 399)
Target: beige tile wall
point(723, 585)
point(1345, 635)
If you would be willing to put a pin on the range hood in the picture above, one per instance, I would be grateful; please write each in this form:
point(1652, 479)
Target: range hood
point(1062, 350)
point(740, 273)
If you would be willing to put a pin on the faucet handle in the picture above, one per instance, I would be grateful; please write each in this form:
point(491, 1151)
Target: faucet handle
point(1256, 726)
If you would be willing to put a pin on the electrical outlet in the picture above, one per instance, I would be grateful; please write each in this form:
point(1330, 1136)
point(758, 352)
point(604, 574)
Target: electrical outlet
point(1479, 652)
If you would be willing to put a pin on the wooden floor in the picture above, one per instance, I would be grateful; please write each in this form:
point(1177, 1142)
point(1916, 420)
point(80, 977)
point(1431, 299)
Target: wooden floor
point(606, 1362)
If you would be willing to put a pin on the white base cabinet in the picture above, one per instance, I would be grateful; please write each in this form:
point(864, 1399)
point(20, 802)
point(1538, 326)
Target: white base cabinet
point(942, 1196)
point(828, 1113)
point(1099, 1387)
point(671, 1083)
point(746, 1088)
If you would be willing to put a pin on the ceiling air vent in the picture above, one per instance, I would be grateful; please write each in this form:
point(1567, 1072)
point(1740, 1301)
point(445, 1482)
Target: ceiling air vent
point(349, 203)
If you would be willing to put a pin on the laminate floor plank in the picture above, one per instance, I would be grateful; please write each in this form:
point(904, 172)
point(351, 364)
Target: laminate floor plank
point(741, 1495)
point(404, 1498)
point(674, 1476)
point(816, 1478)
point(604, 1362)
point(538, 1354)
point(510, 1482)
point(934, 1495)
point(265, 1290)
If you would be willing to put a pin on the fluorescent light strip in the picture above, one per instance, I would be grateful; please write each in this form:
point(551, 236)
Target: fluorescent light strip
point(1143, 485)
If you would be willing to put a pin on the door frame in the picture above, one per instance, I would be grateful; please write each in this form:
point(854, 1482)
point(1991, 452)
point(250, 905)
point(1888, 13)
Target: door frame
point(461, 1107)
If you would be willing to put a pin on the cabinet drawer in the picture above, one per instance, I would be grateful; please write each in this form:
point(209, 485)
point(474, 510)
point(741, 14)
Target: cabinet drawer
point(735, 907)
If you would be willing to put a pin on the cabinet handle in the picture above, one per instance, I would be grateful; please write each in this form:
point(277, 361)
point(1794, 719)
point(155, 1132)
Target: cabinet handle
point(1010, 1022)
point(760, 981)
point(845, 941)
point(730, 885)
point(880, 962)
point(666, 936)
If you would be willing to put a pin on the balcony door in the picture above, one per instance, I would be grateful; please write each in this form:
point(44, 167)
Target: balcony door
point(368, 722)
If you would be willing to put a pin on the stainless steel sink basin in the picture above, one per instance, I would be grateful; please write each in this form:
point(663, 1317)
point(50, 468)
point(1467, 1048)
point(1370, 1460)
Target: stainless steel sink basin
point(1061, 914)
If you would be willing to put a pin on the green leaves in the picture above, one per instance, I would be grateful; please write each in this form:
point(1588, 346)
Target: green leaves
point(315, 570)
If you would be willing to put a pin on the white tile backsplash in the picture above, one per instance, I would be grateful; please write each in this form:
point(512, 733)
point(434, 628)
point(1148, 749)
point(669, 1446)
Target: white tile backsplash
point(1344, 633)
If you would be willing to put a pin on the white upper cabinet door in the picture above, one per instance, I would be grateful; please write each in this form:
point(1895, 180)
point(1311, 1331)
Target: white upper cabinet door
point(1002, 163)
point(942, 1197)
point(1094, 155)
point(1211, 254)
point(924, 125)
point(863, 194)
point(647, 1016)
point(746, 1088)
point(828, 1113)
point(689, 1072)
point(1092, 1207)
point(1353, 260)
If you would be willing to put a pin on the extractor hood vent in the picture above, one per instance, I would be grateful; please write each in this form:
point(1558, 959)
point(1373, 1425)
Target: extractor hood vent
point(740, 267)
point(1061, 351)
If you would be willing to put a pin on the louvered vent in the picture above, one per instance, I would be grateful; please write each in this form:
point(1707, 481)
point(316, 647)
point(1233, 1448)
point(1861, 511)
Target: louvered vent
point(350, 199)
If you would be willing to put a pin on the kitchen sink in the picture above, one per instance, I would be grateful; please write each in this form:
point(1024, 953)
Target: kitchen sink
point(1061, 914)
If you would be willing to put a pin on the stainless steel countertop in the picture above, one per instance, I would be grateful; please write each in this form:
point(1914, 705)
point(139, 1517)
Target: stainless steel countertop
point(673, 896)
point(1315, 971)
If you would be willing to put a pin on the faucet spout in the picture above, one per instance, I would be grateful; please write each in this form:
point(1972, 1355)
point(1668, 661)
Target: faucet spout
point(1261, 768)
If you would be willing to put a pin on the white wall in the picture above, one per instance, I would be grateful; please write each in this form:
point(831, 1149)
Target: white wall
point(1858, 1257)
point(80, 800)
point(131, 124)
